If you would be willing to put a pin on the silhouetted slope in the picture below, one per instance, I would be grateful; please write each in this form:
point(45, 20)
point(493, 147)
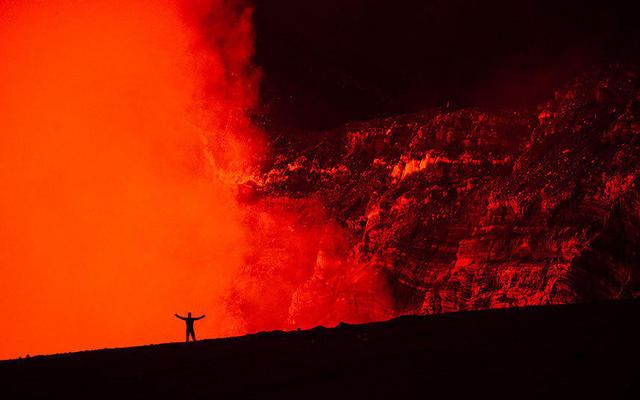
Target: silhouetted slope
point(570, 350)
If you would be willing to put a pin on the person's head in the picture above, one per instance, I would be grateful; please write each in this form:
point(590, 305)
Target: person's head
point(189, 315)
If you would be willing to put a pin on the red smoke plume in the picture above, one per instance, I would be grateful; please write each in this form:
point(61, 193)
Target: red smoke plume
point(120, 132)
point(301, 271)
point(125, 135)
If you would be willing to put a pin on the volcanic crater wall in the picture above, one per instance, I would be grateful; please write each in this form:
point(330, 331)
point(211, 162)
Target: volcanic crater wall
point(450, 210)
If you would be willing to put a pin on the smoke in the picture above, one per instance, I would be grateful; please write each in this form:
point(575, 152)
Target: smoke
point(122, 127)
point(301, 270)
point(127, 162)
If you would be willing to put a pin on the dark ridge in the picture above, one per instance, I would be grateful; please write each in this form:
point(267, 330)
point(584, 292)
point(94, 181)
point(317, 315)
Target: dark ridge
point(588, 350)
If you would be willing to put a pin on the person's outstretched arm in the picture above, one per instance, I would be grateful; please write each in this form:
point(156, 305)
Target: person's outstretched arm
point(200, 317)
point(183, 318)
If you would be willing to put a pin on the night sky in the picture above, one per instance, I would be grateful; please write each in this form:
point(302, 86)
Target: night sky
point(333, 61)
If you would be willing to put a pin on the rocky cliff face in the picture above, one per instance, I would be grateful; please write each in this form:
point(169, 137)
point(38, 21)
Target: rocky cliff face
point(451, 210)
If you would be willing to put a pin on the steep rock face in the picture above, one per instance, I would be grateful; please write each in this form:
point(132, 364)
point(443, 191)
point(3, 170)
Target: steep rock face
point(449, 210)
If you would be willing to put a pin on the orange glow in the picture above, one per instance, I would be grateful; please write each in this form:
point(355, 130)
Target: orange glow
point(113, 214)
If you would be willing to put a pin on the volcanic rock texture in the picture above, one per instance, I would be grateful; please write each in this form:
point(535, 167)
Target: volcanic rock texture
point(460, 209)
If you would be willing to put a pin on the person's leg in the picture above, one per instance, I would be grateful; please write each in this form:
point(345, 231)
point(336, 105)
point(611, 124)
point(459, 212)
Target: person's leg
point(187, 335)
point(193, 334)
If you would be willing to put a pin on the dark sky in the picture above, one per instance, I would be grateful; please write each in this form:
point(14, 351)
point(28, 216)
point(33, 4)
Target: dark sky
point(327, 62)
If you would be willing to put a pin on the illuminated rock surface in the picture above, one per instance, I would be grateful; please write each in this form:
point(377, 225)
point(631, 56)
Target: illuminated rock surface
point(467, 209)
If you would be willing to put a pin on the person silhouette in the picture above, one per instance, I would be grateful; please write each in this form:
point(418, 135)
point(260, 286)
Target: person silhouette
point(189, 322)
